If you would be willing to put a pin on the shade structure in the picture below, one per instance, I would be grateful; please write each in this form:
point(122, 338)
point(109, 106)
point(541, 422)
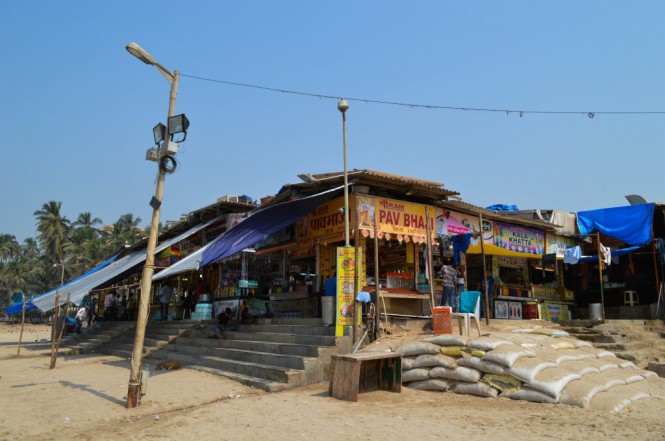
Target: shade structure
point(261, 224)
point(117, 270)
point(630, 224)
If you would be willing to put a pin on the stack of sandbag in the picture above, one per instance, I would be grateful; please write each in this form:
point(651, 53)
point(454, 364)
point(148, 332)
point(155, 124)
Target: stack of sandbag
point(541, 365)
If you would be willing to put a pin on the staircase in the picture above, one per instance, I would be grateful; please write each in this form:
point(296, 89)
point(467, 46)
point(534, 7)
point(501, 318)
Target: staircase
point(117, 337)
point(274, 355)
point(639, 341)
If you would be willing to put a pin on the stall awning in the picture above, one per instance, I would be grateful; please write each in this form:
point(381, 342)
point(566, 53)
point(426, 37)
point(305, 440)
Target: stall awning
point(493, 250)
point(630, 224)
point(188, 263)
point(18, 307)
point(79, 288)
point(261, 224)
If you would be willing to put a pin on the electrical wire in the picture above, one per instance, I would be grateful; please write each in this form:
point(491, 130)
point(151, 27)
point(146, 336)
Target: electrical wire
point(521, 113)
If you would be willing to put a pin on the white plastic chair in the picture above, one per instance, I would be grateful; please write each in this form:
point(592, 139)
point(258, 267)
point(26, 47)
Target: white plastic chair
point(469, 308)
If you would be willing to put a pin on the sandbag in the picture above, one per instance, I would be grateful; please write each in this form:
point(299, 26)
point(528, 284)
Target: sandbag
point(479, 353)
point(477, 389)
point(598, 353)
point(502, 383)
point(447, 340)
point(432, 360)
point(552, 380)
point(435, 384)
point(418, 348)
point(452, 351)
point(580, 393)
point(507, 355)
point(580, 366)
point(460, 373)
point(527, 368)
point(617, 398)
point(488, 367)
point(557, 357)
point(576, 342)
point(415, 375)
point(563, 345)
point(528, 394)
point(550, 331)
point(407, 362)
point(488, 343)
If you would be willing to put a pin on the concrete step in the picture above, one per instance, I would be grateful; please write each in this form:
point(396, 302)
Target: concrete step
point(300, 339)
point(246, 356)
point(290, 329)
point(259, 346)
point(257, 383)
point(291, 377)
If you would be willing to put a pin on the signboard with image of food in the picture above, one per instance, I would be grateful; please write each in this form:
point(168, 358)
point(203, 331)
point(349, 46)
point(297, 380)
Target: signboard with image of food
point(346, 272)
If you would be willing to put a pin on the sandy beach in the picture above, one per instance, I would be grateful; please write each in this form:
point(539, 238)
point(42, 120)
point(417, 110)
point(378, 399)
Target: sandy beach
point(83, 399)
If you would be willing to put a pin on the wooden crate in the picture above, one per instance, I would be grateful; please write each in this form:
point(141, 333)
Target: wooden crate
point(352, 374)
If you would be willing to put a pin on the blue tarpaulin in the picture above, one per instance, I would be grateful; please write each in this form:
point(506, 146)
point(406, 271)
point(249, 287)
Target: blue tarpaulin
point(262, 224)
point(630, 224)
point(614, 253)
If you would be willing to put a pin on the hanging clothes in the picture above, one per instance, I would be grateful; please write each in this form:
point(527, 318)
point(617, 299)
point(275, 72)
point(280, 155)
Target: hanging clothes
point(606, 255)
point(461, 243)
point(572, 255)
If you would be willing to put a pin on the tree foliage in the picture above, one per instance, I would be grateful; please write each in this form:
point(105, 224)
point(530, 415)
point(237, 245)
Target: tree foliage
point(37, 265)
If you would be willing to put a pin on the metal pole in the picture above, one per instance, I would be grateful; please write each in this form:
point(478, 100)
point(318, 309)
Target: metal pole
point(430, 262)
point(343, 106)
point(148, 271)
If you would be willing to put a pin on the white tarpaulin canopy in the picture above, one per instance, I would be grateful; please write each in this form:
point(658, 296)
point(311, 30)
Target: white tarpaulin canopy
point(78, 289)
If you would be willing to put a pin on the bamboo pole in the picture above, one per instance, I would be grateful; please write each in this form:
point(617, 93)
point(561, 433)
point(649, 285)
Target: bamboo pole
point(62, 331)
point(482, 250)
point(376, 276)
point(356, 275)
point(430, 262)
point(20, 336)
point(54, 327)
point(600, 274)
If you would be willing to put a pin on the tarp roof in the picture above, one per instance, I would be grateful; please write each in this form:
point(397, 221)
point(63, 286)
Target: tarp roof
point(188, 263)
point(79, 288)
point(631, 224)
point(261, 224)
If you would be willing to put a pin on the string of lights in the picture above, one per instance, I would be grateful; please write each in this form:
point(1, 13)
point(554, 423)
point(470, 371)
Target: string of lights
point(521, 113)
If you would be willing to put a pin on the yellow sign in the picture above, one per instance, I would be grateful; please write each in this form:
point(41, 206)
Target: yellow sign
point(346, 290)
point(327, 218)
point(393, 216)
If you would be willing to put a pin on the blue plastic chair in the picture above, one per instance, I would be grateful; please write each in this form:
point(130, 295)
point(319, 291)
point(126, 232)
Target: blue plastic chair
point(469, 307)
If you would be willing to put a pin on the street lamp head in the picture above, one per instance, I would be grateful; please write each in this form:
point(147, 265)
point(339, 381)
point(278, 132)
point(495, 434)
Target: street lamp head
point(342, 105)
point(140, 53)
point(178, 124)
point(158, 132)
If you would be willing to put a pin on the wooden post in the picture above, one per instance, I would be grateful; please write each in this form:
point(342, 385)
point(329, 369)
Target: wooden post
point(600, 274)
point(482, 250)
point(20, 336)
point(54, 327)
point(376, 276)
point(62, 331)
point(430, 262)
point(356, 275)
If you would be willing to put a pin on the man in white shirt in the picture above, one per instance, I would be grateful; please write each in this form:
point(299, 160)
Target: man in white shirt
point(81, 315)
point(165, 296)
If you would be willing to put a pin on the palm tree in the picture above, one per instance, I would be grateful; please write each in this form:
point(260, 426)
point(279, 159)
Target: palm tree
point(30, 249)
point(9, 247)
point(53, 229)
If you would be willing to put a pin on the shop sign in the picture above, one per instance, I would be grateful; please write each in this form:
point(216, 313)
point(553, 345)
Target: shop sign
point(553, 312)
point(393, 217)
point(326, 219)
point(558, 244)
point(511, 262)
point(450, 223)
point(346, 272)
point(520, 239)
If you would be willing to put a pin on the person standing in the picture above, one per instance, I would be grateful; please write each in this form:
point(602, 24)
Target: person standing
point(81, 315)
point(448, 274)
point(110, 306)
point(165, 296)
point(460, 284)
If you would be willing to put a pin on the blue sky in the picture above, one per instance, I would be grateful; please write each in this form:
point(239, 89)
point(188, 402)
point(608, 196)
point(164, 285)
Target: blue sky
point(78, 110)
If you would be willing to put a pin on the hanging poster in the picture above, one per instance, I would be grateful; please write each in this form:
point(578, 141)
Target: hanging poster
point(515, 310)
point(520, 239)
point(558, 244)
point(346, 272)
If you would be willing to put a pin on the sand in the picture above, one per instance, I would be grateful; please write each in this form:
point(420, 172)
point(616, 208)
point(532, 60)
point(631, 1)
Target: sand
point(82, 398)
